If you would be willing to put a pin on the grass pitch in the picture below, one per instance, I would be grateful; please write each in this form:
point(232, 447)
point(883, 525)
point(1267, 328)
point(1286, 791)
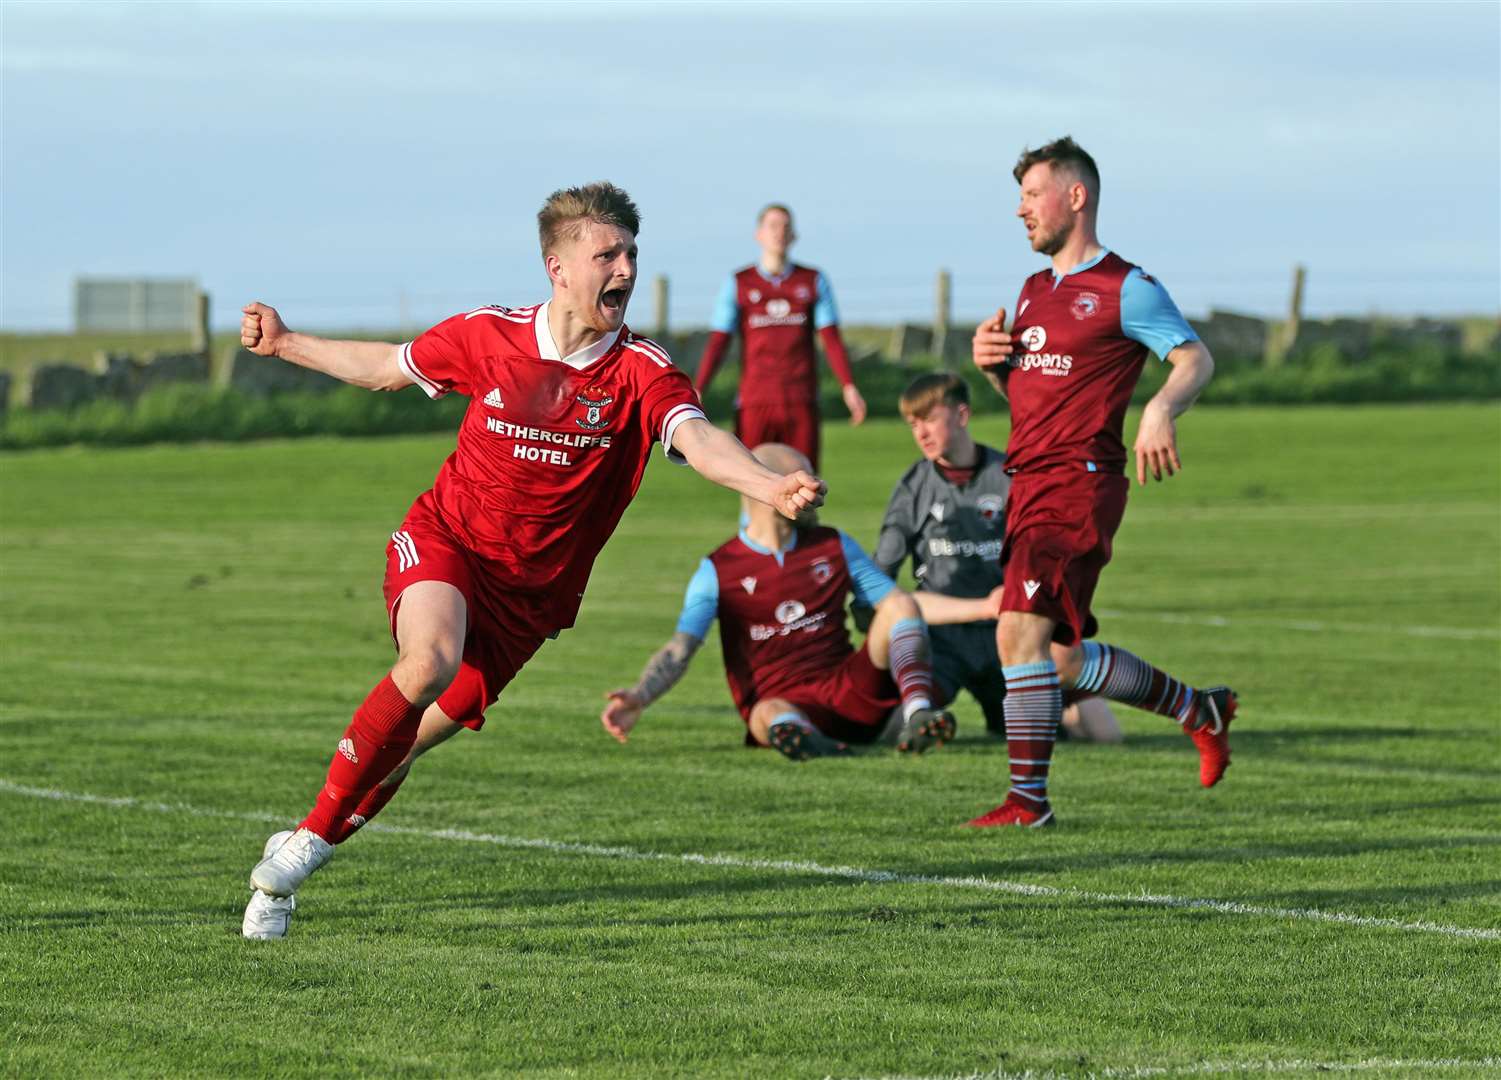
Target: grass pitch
point(188, 629)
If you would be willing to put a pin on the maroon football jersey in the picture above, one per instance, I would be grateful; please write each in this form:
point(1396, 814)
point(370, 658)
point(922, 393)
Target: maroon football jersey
point(776, 325)
point(551, 449)
point(1073, 371)
point(781, 625)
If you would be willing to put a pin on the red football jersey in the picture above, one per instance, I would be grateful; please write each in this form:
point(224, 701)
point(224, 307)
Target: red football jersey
point(1073, 371)
point(551, 449)
point(780, 365)
point(781, 625)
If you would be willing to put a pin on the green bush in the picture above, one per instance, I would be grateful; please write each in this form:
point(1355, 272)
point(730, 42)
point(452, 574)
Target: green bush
point(188, 412)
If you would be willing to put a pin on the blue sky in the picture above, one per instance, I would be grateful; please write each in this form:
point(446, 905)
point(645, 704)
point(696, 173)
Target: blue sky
point(352, 161)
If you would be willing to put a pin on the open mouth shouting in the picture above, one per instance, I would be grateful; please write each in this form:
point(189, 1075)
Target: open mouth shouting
point(612, 303)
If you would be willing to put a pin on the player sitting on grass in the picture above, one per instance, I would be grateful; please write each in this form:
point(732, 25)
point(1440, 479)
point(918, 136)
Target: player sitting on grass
point(948, 515)
point(779, 590)
point(564, 406)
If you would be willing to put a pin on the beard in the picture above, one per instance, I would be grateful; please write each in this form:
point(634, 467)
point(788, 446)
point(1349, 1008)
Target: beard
point(1052, 243)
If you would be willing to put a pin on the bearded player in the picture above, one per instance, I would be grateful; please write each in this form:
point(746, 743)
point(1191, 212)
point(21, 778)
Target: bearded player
point(565, 404)
point(779, 590)
point(1081, 336)
point(776, 306)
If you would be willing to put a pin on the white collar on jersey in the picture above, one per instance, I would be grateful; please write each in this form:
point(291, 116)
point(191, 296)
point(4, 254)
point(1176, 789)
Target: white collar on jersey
point(548, 349)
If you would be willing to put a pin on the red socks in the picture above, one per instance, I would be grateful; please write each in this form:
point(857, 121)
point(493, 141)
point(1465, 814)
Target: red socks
point(374, 801)
point(382, 731)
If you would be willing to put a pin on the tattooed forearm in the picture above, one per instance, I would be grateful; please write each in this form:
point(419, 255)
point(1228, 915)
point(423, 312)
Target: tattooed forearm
point(666, 667)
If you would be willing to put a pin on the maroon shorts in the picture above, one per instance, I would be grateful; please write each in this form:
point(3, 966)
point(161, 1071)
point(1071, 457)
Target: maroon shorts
point(793, 424)
point(851, 702)
point(494, 647)
point(1059, 528)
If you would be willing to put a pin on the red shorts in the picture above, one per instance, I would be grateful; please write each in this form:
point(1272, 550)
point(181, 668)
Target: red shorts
point(851, 702)
point(1059, 528)
point(494, 650)
point(793, 424)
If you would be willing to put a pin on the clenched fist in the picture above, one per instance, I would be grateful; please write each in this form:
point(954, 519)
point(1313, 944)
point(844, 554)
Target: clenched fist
point(261, 328)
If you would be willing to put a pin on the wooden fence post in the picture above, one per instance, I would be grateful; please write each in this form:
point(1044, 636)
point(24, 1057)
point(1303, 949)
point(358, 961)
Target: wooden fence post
point(202, 339)
point(1282, 336)
point(659, 293)
point(941, 307)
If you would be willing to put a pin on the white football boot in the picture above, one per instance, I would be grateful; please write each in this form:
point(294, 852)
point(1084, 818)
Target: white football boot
point(268, 917)
point(282, 872)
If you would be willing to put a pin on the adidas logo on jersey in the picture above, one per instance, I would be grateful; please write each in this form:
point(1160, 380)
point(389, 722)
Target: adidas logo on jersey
point(346, 747)
point(492, 399)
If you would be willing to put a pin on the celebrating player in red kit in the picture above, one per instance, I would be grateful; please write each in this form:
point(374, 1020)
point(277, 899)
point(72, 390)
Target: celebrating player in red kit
point(776, 305)
point(1082, 333)
point(565, 403)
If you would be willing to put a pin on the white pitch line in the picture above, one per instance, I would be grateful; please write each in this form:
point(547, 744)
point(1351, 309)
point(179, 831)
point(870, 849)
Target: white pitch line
point(796, 867)
point(1212, 1068)
point(1307, 626)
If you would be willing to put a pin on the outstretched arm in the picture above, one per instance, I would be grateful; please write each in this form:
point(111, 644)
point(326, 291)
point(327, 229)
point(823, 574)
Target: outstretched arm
point(662, 671)
point(938, 610)
point(718, 456)
point(369, 364)
point(1157, 434)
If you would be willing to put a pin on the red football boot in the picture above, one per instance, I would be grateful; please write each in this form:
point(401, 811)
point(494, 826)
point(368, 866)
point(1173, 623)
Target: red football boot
point(1216, 708)
point(1015, 811)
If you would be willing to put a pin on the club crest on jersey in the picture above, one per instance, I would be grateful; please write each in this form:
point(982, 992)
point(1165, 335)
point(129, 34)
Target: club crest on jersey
point(749, 584)
point(1085, 306)
point(593, 399)
point(1034, 338)
point(822, 571)
point(801, 292)
point(789, 611)
point(990, 506)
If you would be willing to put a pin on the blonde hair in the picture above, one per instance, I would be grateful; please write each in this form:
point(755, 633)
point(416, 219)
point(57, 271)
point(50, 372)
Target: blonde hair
point(563, 214)
point(928, 390)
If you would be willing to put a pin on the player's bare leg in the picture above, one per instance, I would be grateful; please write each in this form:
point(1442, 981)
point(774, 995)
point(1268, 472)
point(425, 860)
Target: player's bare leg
point(1034, 705)
point(784, 727)
point(898, 642)
point(1092, 720)
point(430, 627)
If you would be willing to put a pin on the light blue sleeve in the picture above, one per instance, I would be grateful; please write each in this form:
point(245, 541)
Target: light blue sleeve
point(824, 311)
point(870, 585)
point(700, 602)
point(1148, 314)
point(726, 317)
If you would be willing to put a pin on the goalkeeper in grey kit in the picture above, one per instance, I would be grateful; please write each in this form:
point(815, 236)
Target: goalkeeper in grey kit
point(948, 514)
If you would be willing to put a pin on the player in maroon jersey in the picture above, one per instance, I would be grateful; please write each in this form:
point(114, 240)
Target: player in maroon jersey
point(1068, 366)
point(779, 591)
point(775, 306)
point(565, 404)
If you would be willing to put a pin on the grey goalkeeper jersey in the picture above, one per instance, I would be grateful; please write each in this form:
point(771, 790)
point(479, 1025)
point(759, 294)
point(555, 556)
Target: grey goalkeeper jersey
point(952, 533)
